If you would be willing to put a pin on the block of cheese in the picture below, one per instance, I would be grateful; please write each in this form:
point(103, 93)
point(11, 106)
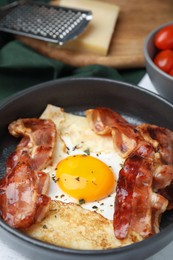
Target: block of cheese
point(97, 36)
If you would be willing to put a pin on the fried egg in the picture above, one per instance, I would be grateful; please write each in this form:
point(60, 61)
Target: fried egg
point(85, 165)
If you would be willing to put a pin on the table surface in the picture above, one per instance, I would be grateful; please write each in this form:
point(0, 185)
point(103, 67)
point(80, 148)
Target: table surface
point(7, 253)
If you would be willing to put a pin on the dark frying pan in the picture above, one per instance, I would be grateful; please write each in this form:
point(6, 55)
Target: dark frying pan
point(75, 95)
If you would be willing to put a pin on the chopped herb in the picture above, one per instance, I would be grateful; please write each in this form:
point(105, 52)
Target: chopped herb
point(94, 183)
point(56, 196)
point(67, 149)
point(62, 195)
point(55, 216)
point(87, 151)
point(81, 201)
point(45, 227)
point(121, 164)
point(102, 204)
point(75, 147)
point(95, 207)
point(77, 178)
point(55, 179)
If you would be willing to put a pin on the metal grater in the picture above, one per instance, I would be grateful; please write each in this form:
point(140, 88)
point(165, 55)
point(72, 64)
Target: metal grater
point(45, 22)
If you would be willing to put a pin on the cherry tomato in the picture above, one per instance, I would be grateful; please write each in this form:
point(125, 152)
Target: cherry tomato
point(164, 38)
point(164, 60)
point(171, 72)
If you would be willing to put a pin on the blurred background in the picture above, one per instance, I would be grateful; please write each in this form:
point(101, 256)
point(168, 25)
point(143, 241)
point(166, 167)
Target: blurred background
point(22, 66)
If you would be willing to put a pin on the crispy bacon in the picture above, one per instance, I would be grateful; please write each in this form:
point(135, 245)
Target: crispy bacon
point(23, 199)
point(105, 121)
point(144, 186)
point(159, 205)
point(162, 176)
point(161, 138)
point(39, 139)
point(135, 210)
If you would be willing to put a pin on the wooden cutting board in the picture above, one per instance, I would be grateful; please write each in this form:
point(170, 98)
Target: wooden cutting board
point(136, 19)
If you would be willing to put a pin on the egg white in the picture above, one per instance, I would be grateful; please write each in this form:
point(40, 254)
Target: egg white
point(75, 137)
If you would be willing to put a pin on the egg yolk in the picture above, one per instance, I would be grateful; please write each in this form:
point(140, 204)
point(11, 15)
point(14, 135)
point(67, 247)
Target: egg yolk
point(85, 178)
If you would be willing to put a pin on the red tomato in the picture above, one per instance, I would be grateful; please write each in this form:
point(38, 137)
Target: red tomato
point(164, 38)
point(164, 60)
point(171, 72)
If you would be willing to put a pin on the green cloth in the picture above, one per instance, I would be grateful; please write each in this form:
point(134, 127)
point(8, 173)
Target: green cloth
point(21, 67)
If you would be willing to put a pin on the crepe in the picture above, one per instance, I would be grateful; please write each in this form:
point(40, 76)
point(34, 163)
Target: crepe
point(69, 225)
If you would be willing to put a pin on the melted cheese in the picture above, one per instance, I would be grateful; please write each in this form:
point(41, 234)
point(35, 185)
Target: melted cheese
point(97, 36)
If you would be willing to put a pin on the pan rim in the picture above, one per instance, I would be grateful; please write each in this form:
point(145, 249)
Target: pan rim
point(67, 79)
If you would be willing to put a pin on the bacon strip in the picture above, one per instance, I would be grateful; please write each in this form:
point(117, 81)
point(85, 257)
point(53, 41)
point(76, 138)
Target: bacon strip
point(141, 194)
point(23, 199)
point(133, 192)
point(105, 121)
point(135, 214)
point(39, 139)
point(162, 139)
